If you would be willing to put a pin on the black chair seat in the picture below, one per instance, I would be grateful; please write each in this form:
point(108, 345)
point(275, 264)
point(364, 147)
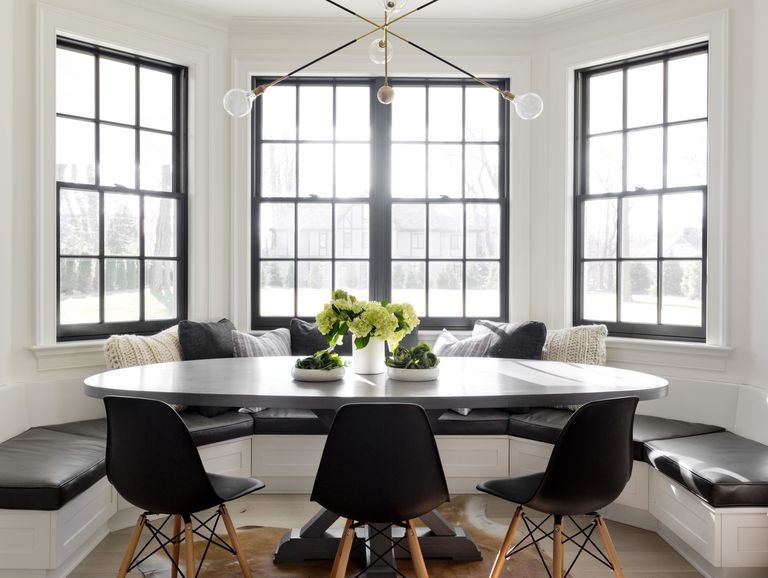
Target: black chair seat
point(481, 422)
point(230, 488)
point(42, 469)
point(210, 430)
point(517, 490)
point(723, 469)
point(288, 422)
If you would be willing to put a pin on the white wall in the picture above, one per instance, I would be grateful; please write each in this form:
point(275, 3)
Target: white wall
point(6, 166)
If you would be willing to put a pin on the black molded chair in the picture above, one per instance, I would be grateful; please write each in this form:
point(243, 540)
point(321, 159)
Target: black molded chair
point(380, 465)
point(154, 464)
point(589, 467)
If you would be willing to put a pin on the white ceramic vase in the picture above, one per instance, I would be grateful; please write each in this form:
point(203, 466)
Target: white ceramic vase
point(370, 359)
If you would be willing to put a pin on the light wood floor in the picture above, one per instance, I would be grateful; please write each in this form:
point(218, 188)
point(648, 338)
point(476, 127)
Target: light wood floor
point(643, 554)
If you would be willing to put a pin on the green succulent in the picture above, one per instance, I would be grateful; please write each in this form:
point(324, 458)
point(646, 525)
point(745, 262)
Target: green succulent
point(325, 359)
point(417, 357)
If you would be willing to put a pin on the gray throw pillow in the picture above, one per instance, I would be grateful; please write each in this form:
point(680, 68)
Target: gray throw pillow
point(448, 345)
point(306, 339)
point(206, 340)
point(272, 343)
point(523, 340)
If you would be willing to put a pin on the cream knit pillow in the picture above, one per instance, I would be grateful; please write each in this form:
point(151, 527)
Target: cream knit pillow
point(581, 344)
point(131, 350)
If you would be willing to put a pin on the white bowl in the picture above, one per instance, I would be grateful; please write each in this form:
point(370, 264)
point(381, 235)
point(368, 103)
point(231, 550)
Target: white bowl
point(334, 374)
point(413, 374)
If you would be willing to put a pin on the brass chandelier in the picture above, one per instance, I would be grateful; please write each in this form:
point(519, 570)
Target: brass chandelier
point(238, 102)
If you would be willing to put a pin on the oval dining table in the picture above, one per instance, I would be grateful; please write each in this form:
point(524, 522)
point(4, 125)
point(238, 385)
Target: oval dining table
point(463, 382)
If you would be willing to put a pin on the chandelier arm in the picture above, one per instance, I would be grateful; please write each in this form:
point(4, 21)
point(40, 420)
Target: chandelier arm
point(318, 59)
point(386, 47)
point(369, 21)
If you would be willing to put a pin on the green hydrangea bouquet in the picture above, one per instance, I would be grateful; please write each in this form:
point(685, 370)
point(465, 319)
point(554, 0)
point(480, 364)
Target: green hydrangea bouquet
point(365, 319)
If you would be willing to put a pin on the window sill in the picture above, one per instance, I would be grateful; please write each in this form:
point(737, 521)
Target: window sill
point(69, 355)
point(677, 354)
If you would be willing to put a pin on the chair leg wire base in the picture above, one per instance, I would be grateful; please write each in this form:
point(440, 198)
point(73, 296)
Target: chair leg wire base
point(163, 539)
point(609, 560)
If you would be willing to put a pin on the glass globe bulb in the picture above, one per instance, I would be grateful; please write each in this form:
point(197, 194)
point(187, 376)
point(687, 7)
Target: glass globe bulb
point(238, 101)
point(528, 106)
point(376, 51)
point(385, 94)
point(393, 5)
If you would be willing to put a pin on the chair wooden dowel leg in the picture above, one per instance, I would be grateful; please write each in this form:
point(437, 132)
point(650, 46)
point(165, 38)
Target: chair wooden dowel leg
point(509, 539)
point(232, 532)
point(557, 548)
point(416, 556)
point(190, 540)
point(131, 550)
point(176, 545)
point(342, 554)
point(610, 548)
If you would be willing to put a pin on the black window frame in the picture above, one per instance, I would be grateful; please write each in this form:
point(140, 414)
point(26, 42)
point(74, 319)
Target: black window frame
point(179, 132)
point(380, 202)
point(581, 195)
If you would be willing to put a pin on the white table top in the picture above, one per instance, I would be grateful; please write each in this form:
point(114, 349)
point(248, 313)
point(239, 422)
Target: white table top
point(463, 382)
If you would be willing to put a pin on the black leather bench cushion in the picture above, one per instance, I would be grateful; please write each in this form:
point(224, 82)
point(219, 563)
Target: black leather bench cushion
point(479, 422)
point(288, 421)
point(42, 469)
point(723, 469)
point(223, 427)
point(94, 428)
point(544, 424)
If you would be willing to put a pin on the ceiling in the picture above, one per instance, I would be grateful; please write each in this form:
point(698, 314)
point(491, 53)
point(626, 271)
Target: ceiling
point(450, 9)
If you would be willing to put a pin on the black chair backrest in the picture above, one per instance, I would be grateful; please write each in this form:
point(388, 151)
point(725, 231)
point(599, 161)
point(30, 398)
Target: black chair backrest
point(591, 461)
point(380, 464)
point(151, 458)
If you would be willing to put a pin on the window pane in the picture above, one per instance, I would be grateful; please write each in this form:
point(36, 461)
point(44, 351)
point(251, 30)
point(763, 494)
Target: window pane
point(482, 171)
point(78, 222)
point(645, 95)
point(409, 172)
point(75, 151)
point(278, 113)
point(316, 170)
point(75, 83)
point(277, 229)
point(599, 291)
point(683, 218)
point(353, 119)
point(605, 102)
point(638, 292)
point(483, 231)
point(446, 234)
point(409, 231)
point(445, 171)
point(445, 289)
point(316, 113)
point(121, 290)
point(155, 99)
point(409, 282)
point(445, 113)
point(483, 293)
point(481, 114)
point(352, 277)
point(117, 91)
point(121, 224)
point(688, 81)
point(605, 164)
point(156, 161)
point(315, 228)
point(276, 292)
point(160, 222)
point(278, 170)
point(645, 159)
point(352, 230)
point(640, 227)
point(160, 291)
point(409, 113)
point(687, 155)
point(353, 170)
point(117, 151)
point(681, 293)
point(314, 286)
point(600, 229)
point(78, 291)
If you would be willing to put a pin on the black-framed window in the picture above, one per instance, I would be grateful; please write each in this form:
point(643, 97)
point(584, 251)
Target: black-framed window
point(121, 184)
point(407, 202)
point(641, 195)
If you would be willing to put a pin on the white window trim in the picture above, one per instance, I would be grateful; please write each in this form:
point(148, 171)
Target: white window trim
point(203, 175)
point(712, 27)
